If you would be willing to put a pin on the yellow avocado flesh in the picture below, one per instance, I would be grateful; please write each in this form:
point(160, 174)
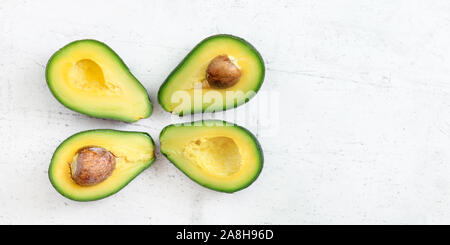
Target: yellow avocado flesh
point(134, 152)
point(223, 158)
point(89, 77)
point(187, 90)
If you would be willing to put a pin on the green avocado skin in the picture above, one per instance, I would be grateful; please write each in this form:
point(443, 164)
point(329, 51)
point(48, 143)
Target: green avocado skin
point(194, 51)
point(204, 123)
point(80, 110)
point(118, 188)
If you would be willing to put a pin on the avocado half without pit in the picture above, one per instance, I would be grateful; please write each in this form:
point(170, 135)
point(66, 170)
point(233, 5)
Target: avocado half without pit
point(216, 154)
point(87, 76)
point(94, 164)
point(225, 70)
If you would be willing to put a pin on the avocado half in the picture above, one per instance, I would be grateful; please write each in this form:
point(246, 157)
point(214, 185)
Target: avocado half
point(180, 93)
point(216, 154)
point(87, 76)
point(134, 152)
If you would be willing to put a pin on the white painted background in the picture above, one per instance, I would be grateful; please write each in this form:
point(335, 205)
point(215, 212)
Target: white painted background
point(363, 110)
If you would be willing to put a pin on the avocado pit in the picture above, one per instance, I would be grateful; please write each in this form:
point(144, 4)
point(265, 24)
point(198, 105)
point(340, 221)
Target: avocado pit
point(92, 165)
point(222, 72)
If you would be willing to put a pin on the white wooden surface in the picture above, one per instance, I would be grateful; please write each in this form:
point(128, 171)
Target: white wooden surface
point(360, 118)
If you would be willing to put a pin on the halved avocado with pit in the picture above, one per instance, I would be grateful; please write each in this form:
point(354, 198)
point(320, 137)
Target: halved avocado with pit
point(221, 72)
point(216, 154)
point(94, 164)
point(87, 76)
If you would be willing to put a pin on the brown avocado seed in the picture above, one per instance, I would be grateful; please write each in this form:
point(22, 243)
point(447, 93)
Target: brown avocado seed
point(92, 165)
point(222, 72)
